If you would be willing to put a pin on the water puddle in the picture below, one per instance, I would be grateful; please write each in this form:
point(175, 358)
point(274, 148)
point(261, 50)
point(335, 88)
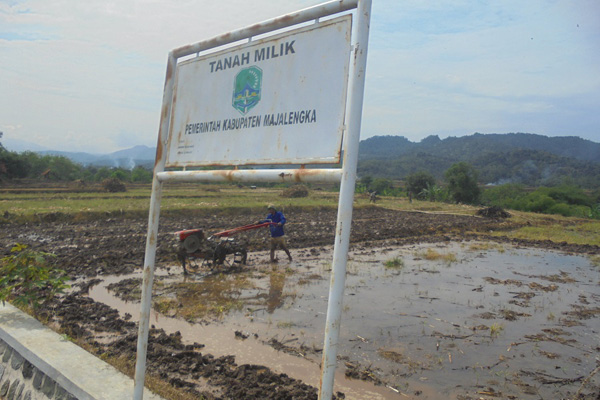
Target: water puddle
point(423, 321)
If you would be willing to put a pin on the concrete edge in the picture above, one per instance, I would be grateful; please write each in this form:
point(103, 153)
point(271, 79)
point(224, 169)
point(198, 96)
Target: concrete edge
point(79, 373)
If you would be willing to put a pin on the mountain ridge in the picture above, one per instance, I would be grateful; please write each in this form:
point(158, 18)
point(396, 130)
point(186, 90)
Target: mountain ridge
point(523, 158)
point(526, 158)
point(568, 146)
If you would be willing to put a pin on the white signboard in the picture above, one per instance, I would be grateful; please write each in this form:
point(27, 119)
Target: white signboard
point(278, 100)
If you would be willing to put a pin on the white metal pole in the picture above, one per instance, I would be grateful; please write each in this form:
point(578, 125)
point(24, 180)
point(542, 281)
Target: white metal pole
point(152, 237)
point(332, 175)
point(344, 218)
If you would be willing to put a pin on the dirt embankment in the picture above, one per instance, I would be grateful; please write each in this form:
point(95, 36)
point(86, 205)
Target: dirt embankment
point(116, 245)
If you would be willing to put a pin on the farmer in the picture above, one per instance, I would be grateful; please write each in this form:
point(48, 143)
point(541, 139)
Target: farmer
point(373, 197)
point(277, 234)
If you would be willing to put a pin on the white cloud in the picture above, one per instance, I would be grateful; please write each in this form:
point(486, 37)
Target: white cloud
point(487, 67)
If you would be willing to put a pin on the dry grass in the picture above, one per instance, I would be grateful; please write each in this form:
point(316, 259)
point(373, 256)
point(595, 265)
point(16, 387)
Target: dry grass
point(433, 255)
point(486, 246)
point(572, 231)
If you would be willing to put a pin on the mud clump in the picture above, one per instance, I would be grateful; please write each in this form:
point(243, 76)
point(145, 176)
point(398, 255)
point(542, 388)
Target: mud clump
point(113, 185)
point(295, 191)
point(494, 212)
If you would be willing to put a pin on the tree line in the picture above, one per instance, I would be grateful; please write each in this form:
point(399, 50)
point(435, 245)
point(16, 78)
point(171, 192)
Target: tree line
point(31, 165)
point(461, 185)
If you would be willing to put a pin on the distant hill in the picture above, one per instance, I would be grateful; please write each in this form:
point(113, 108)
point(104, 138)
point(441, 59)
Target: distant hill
point(499, 158)
point(128, 158)
point(530, 159)
point(20, 145)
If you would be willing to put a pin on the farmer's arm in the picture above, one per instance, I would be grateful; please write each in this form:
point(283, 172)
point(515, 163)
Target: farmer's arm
point(262, 221)
point(282, 219)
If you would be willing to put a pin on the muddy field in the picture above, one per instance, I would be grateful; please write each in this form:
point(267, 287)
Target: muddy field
point(453, 315)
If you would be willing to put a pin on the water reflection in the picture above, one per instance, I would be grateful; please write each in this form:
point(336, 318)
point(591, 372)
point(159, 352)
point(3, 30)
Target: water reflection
point(275, 298)
point(441, 322)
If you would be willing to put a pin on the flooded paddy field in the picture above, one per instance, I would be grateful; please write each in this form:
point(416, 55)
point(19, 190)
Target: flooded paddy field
point(437, 321)
point(432, 309)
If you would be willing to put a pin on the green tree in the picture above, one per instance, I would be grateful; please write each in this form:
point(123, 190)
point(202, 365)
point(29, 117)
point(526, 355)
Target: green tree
point(120, 174)
point(36, 163)
point(418, 182)
point(382, 186)
point(102, 174)
point(364, 183)
point(141, 175)
point(63, 168)
point(462, 183)
point(12, 166)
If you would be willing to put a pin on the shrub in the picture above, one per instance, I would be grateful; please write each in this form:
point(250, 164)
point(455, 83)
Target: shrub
point(503, 195)
point(435, 193)
point(595, 211)
point(538, 202)
point(561, 209)
point(27, 279)
point(394, 263)
point(570, 195)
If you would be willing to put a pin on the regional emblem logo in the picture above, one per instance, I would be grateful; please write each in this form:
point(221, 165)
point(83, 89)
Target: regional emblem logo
point(246, 89)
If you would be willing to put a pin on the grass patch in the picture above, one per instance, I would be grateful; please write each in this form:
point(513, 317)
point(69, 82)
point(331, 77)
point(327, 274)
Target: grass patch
point(572, 232)
point(486, 246)
point(495, 330)
point(394, 263)
point(285, 325)
point(402, 203)
point(433, 255)
point(44, 205)
point(391, 355)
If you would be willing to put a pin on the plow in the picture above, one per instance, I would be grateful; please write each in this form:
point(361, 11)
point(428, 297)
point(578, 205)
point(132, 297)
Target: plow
point(195, 249)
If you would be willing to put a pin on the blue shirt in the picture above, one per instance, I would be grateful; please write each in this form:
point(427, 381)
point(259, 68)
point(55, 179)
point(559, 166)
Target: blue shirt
point(276, 230)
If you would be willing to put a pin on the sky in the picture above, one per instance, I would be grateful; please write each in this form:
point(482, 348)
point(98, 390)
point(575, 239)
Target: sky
point(89, 75)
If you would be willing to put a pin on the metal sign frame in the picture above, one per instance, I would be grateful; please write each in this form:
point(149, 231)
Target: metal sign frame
point(346, 176)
